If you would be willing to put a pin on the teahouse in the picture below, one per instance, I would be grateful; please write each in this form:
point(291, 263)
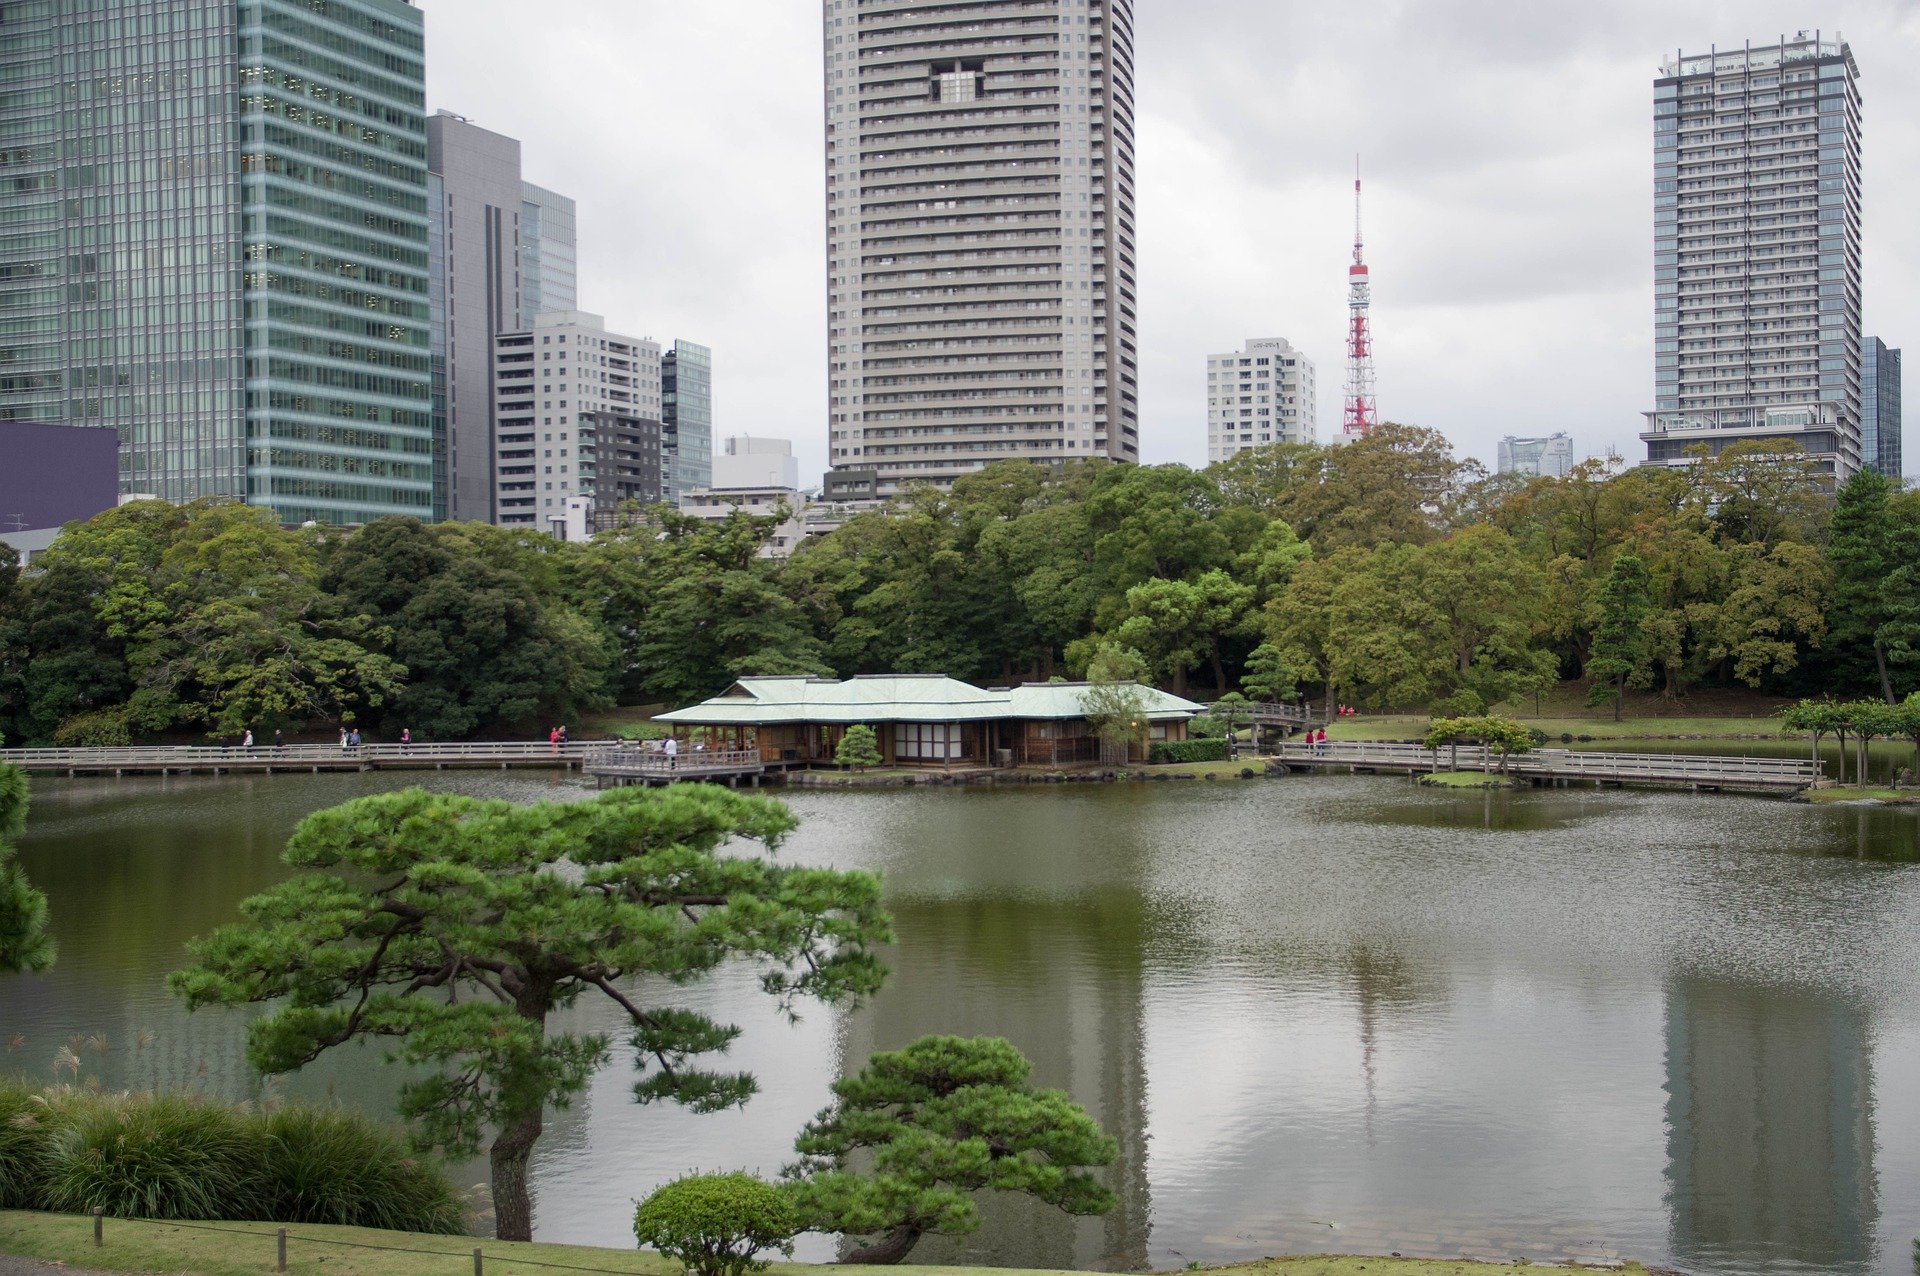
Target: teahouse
point(919, 719)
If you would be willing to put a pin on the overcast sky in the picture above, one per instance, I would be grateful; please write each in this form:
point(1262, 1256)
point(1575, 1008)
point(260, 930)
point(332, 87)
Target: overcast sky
point(1507, 146)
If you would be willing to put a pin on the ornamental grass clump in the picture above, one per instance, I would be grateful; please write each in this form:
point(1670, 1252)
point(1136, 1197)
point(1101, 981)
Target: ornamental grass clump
point(160, 1156)
point(75, 1149)
point(325, 1165)
point(717, 1224)
point(22, 1144)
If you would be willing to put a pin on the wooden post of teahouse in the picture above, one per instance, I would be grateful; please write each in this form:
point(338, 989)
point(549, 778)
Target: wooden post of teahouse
point(99, 1227)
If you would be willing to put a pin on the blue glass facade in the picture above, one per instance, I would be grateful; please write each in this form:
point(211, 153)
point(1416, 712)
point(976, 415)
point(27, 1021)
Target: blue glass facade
point(215, 244)
point(686, 400)
point(1880, 441)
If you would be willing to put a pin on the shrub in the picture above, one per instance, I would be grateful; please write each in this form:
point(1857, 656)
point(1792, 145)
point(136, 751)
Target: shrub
point(1187, 751)
point(326, 1165)
point(22, 1145)
point(640, 731)
point(101, 729)
point(715, 1224)
point(1461, 704)
point(166, 1156)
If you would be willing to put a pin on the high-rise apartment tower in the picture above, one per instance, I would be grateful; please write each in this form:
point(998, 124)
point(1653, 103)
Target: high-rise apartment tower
point(1757, 250)
point(1880, 440)
point(215, 243)
point(980, 243)
point(577, 416)
point(1257, 396)
point(502, 253)
point(1550, 456)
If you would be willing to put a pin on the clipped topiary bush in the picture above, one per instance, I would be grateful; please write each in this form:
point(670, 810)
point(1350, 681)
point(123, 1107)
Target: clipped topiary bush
point(1461, 704)
point(141, 1156)
point(717, 1224)
point(326, 1165)
point(1187, 751)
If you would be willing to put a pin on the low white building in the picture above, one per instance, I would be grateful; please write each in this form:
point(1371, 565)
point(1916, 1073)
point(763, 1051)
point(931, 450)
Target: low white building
point(1261, 395)
point(756, 476)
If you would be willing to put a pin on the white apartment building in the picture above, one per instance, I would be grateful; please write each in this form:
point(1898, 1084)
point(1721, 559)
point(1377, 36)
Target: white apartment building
point(980, 236)
point(1260, 395)
point(568, 366)
point(1757, 250)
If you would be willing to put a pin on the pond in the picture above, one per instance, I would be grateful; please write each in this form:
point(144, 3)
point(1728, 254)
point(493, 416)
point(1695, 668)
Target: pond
point(1319, 1014)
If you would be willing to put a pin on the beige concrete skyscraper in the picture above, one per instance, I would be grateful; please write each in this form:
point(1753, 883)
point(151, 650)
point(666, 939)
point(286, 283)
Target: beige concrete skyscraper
point(980, 258)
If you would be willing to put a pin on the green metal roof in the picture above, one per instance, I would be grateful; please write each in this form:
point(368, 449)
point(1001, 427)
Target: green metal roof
point(897, 698)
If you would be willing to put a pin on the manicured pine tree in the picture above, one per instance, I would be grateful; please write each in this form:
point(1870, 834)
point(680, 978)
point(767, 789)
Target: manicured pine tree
point(918, 1132)
point(859, 749)
point(453, 929)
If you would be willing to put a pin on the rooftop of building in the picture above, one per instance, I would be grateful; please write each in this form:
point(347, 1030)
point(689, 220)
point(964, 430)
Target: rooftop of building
point(912, 697)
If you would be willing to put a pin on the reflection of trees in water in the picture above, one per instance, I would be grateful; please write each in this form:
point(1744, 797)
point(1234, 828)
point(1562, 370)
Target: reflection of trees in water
point(1770, 1127)
point(1061, 979)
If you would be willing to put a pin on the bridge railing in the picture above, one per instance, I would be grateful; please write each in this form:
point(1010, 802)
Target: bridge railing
point(646, 763)
point(1565, 762)
point(183, 756)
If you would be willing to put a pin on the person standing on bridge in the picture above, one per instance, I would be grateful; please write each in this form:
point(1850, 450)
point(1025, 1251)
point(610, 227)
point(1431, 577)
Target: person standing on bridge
point(406, 736)
point(343, 742)
point(246, 741)
point(279, 739)
point(673, 753)
point(553, 739)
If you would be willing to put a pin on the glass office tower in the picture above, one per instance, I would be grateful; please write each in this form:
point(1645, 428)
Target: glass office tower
point(686, 403)
point(216, 244)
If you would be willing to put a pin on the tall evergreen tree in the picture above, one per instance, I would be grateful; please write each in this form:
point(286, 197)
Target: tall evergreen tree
point(24, 943)
point(1868, 544)
point(1620, 644)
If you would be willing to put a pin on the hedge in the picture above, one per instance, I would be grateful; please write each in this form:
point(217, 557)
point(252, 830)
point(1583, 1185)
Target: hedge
point(1187, 751)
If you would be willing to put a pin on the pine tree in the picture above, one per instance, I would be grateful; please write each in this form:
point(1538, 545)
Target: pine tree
point(454, 929)
point(943, 1119)
point(1620, 647)
point(24, 943)
point(859, 748)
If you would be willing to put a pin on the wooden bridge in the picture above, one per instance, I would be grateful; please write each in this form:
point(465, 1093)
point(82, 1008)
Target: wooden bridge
point(266, 759)
point(1700, 772)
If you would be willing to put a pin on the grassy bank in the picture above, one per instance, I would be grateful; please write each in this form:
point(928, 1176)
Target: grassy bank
point(1464, 780)
point(1852, 793)
point(240, 1249)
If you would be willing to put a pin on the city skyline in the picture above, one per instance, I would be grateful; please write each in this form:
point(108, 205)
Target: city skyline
point(1483, 221)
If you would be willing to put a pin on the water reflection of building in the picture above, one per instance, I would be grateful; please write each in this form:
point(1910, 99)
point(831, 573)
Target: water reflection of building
point(1769, 1127)
point(1062, 980)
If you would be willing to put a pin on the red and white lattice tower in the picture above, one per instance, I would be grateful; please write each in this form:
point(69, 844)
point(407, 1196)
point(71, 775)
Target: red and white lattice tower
point(1362, 413)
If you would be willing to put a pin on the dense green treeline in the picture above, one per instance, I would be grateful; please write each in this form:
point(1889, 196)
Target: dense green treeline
point(1386, 573)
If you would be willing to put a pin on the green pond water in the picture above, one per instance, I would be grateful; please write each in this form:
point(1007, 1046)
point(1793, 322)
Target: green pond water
point(1319, 1014)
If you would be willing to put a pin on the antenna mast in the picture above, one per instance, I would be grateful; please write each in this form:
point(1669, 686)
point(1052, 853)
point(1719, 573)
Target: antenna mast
point(1362, 413)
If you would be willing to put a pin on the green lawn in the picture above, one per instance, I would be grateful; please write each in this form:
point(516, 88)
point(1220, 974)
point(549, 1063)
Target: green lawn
point(246, 1249)
point(1463, 780)
point(1216, 770)
point(1848, 793)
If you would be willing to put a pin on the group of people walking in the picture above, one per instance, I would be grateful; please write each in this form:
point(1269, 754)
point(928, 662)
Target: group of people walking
point(349, 738)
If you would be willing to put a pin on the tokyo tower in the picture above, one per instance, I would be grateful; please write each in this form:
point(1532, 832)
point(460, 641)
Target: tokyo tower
point(1362, 413)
